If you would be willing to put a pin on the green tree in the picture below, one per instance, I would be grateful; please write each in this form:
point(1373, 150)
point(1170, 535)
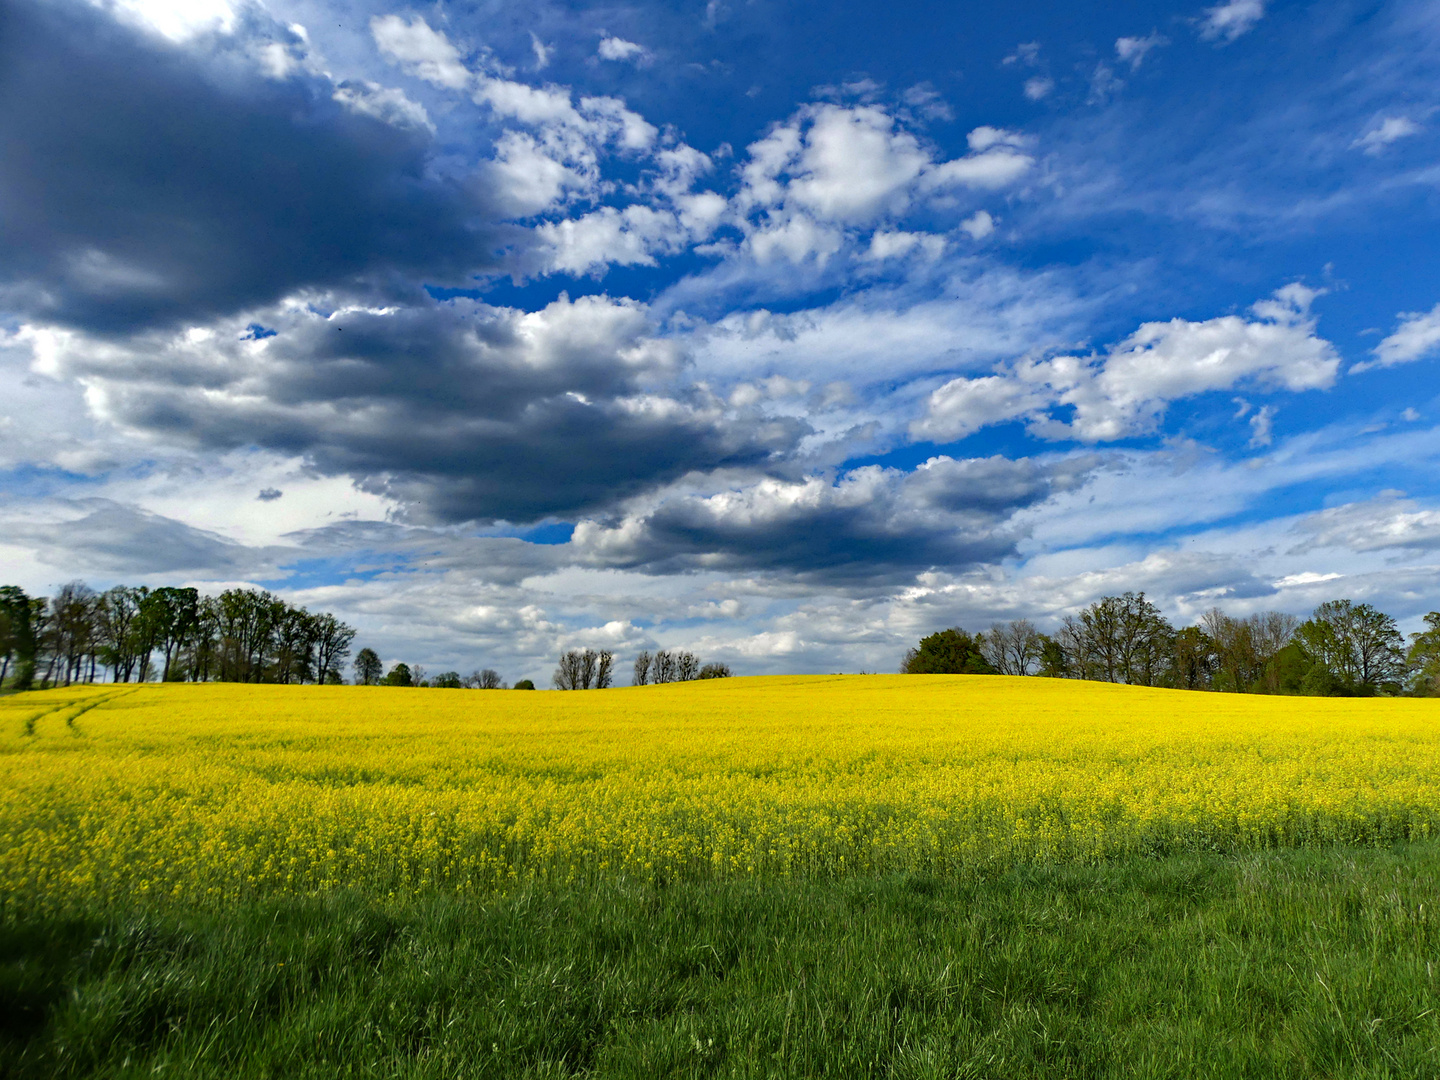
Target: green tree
point(523, 684)
point(332, 644)
point(1422, 661)
point(947, 652)
point(368, 668)
point(1193, 660)
point(1053, 664)
point(1352, 649)
point(1120, 639)
point(19, 612)
point(400, 675)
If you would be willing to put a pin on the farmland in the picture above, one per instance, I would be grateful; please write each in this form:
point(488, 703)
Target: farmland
point(214, 793)
point(843, 876)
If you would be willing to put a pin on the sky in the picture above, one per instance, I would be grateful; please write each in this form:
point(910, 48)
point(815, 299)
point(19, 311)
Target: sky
point(785, 333)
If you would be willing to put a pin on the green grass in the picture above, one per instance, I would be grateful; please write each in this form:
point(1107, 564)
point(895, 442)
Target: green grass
point(1289, 964)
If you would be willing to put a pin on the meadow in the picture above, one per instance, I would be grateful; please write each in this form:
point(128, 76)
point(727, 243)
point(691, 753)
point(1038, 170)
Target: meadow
point(880, 876)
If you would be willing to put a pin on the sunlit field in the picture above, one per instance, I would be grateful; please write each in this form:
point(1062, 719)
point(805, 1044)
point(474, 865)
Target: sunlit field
point(208, 794)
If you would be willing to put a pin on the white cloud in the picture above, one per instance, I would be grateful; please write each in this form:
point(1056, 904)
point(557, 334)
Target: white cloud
point(854, 167)
point(1038, 87)
point(558, 158)
point(1133, 50)
point(1262, 426)
point(527, 180)
point(179, 20)
point(618, 49)
point(979, 225)
point(1027, 53)
point(425, 53)
point(1386, 522)
point(384, 103)
point(1226, 22)
point(679, 167)
point(927, 102)
point(542, 52)
point(1125, 392)
point(607, 236)
point(890, 245)
point(986, 137)
point(1416, 338)
point(1387, 131)
point(1103, 84)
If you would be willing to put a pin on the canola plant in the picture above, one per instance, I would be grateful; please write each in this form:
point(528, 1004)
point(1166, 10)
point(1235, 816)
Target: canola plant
point(208, 793)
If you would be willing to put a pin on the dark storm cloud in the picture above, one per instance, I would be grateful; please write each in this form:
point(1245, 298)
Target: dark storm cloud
point(458, 409)
point(142, 182)
point(875, 524)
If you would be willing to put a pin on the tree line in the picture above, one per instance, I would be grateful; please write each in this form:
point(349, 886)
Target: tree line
point(587, 669)
point(138, 634)
point(1343, 649)
point(369, 671)
point(168, 634)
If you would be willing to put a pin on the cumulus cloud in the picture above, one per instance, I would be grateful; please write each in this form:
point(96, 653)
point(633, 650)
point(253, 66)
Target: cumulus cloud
point(458, 409)
point(1226, 22)
point(869, 523)
point(622, 51)
point(1126, 390)
point(552, 156)
point(834, 167)
point(893, 245)
point(978, 225)
point(425, 53)
point(1416, 338)
point(269, 184)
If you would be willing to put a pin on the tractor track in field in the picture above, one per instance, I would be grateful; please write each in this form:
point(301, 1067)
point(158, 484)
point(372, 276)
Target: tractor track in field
point(29, 724)
point(115, 696)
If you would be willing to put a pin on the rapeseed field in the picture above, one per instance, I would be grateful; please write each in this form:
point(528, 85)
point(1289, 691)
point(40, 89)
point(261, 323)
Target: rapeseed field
point(208, 794)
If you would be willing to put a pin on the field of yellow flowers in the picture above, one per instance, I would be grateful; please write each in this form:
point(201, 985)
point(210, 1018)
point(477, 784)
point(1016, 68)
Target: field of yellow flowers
point(211, 793)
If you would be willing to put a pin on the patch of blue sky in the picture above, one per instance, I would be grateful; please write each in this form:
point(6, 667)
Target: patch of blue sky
point(351, 567)
point(30, 481)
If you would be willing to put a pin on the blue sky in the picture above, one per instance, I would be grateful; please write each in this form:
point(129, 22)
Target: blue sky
point(781, 332)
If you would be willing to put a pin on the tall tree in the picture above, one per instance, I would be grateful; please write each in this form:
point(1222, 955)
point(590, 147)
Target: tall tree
point(584, 669)
point(1122, 639)
point(1351, 649)
point(368, 668)
point(1194, 659)
point(677, 665)
point(1012, 648)
point(332, 640)
point(1422, 661)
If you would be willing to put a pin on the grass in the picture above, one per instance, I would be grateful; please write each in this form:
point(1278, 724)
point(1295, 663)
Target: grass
point(1318, 963)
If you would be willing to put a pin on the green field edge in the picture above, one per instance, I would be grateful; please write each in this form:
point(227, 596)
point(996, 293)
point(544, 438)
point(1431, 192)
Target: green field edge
point(1319, 962)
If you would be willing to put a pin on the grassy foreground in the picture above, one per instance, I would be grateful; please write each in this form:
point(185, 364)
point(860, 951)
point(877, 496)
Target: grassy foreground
point(1287, 964)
